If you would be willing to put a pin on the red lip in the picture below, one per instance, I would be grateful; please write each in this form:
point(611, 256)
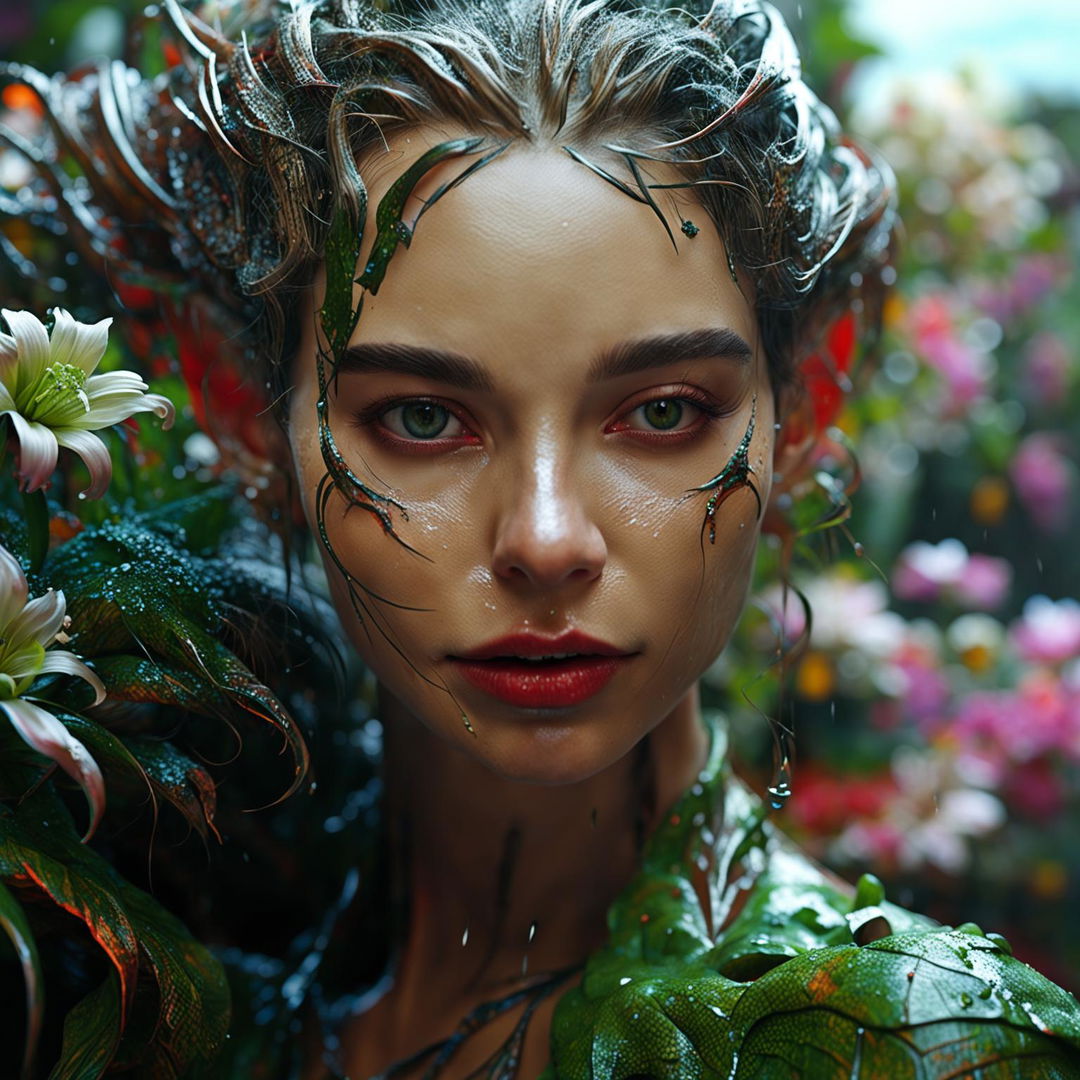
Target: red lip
point(526, 644)
point(497, 668)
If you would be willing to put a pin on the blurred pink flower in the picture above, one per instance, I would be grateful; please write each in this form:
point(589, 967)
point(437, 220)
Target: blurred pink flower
point(1015, 726)
point(1033, 278)
point(965, 370)
point(1048, 632)
point(1048, 365)
point(1043, 477)
point(930, 572)
point(922, 686)
point(1035, 788)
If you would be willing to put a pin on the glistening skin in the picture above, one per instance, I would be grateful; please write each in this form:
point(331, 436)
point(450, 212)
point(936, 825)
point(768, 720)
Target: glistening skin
point(549, 497)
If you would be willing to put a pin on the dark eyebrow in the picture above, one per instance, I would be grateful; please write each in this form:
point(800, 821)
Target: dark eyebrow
point(627, 358)
point(446, 367)
point(630, 357)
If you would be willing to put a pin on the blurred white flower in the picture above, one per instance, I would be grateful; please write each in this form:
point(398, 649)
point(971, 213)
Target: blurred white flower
point(53, 399)
point(27, 629)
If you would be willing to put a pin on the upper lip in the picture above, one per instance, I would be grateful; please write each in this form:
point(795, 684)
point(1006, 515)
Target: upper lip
point(527, 644)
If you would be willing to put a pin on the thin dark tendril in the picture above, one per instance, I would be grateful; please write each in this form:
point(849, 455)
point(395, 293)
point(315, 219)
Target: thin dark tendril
point(624, 187)
point(647, 196)
point(735, 474)
point(503, 1063)
point(480, 1017)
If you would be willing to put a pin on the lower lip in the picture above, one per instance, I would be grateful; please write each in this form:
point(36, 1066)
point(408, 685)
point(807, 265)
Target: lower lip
point(538, 686)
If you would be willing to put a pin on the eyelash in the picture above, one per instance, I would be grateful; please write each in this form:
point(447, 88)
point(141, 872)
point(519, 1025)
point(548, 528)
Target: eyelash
point(369, 418)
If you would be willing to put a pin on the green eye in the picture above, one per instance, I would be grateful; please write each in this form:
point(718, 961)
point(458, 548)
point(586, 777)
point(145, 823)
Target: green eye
point(663, 414)
point(424, 420)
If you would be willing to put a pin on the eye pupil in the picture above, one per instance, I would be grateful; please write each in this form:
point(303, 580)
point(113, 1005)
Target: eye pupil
point(664, 413)
point(423, 420)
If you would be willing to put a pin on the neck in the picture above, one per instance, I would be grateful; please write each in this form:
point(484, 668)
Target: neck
point(489, 864)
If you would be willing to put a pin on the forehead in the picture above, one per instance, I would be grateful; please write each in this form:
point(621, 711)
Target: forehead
point(536, 251)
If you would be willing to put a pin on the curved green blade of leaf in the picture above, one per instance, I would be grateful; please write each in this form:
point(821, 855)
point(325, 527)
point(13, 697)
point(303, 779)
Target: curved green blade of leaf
point(191, 1016)
point(38, 844)
point(180, 781)
point(13, 919)
point(91, 1034)
point(195, 1005)
point(234, 679)
point(141, 680)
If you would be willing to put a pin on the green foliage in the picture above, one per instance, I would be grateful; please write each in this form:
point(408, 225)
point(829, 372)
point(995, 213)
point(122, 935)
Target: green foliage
point(801, 980)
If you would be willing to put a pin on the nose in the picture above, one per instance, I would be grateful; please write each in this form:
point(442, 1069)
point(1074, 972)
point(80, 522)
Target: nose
point(545, 533)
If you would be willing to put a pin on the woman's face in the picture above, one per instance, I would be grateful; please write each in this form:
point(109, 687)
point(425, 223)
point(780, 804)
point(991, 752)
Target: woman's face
point(538, 382)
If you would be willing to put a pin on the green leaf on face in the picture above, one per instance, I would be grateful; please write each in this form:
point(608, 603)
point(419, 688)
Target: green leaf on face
point(13, 920)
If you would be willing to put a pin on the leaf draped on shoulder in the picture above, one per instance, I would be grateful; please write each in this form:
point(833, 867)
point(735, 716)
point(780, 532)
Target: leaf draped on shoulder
point(800, 980)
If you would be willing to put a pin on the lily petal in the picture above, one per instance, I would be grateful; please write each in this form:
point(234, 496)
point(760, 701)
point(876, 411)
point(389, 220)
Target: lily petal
point(95, 455)
point(80, 344)
point(42, 731)
point(9, 349)
point(7, 402)
point(12, 589)
point(32, 341)
point(161, 406)
point(40, 621)
point(62, 662)
point(108, 382)
point(37, 451)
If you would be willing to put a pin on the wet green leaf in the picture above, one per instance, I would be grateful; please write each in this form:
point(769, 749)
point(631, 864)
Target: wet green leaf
point(91, 1034)
point(39, 846)
point(179, 781)
point(13, 920)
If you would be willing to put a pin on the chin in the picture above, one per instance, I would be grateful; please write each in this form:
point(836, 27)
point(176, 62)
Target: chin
point(543, 750)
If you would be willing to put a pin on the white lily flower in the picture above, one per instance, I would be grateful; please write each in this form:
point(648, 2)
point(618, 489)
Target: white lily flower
point(48, 389)
point(27, 629)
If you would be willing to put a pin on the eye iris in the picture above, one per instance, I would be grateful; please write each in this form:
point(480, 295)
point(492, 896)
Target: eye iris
point(663, 413)
point(423, 420)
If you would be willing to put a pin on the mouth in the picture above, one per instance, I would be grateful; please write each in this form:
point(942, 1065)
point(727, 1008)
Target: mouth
point(530, 671)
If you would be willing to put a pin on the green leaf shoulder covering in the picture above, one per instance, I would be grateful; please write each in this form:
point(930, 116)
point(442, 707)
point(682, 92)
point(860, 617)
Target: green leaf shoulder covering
point(803, 980)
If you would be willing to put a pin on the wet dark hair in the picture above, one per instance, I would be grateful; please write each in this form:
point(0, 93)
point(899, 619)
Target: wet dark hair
point(217, 182)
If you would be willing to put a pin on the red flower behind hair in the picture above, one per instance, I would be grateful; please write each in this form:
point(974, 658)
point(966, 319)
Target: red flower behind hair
point(825, 373)
point(226, 404)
